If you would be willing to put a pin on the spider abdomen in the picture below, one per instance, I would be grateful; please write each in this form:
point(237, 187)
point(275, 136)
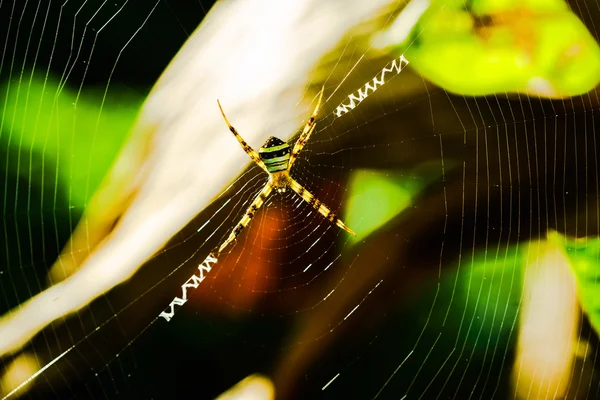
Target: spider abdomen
point(275, 153)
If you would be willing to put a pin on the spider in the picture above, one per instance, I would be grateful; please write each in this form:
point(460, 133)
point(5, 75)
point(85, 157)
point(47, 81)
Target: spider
point(276, 158)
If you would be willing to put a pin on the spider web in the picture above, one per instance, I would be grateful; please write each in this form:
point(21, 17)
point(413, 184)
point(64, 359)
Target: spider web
point(451, 196)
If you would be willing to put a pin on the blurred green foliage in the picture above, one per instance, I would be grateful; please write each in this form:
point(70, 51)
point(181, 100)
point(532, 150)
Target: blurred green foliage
point(375, 198)
point(490, 290)
point(78, 132)
point(584, 256)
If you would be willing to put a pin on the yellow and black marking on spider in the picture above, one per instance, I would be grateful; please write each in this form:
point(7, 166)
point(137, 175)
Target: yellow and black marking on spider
point(276, 158)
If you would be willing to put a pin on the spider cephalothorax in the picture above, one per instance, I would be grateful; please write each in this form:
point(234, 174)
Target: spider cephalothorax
point(276, 157)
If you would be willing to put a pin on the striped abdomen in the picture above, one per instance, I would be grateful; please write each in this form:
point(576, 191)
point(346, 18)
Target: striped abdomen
point(275, 153)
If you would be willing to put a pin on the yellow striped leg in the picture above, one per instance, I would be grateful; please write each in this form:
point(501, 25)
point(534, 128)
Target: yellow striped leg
point(306, 132)
point(251, 152)
point(320, 207)
point(250, 211)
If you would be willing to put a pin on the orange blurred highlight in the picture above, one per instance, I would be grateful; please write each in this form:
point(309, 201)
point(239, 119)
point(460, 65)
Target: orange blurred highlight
point(247, 271)
point(549, 320)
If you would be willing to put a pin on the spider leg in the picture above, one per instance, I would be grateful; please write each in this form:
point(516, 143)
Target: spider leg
point(320, 207)
point(247, 148)
point(259, 200)
point(306, 132)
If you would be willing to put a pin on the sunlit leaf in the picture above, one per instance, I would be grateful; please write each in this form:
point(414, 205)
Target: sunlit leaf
point(492, 46)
